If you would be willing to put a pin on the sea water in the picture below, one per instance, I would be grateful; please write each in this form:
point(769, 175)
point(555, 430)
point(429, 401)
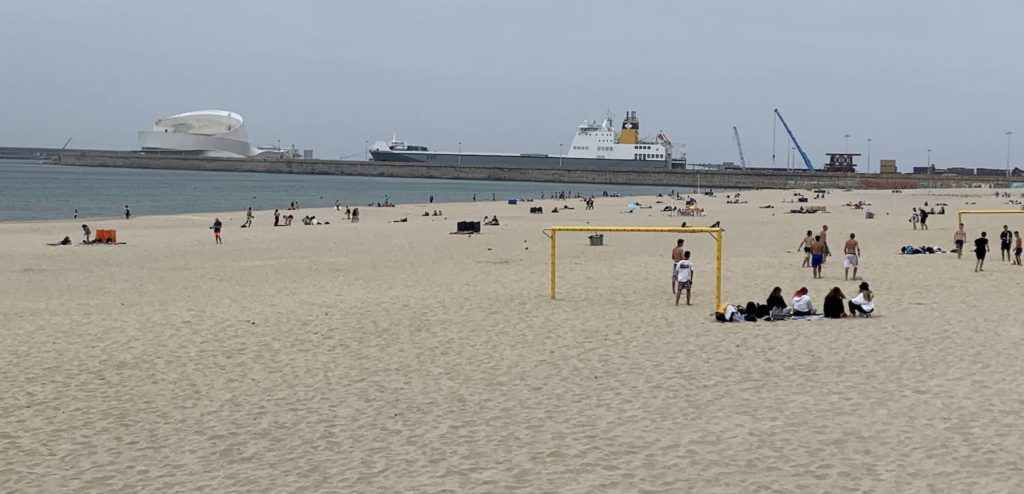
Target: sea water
point(34, 191)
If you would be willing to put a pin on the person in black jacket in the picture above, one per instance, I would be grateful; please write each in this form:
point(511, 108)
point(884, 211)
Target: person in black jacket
point(775, 300)
point(833, 306)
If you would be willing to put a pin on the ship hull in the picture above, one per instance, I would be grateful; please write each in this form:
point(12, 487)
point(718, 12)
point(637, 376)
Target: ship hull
point(516, 161)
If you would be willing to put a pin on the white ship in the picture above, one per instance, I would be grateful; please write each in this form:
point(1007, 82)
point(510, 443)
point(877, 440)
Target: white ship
point(594, 147)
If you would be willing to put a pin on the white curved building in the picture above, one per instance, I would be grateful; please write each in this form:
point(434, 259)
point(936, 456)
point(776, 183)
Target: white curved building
point(208, 132)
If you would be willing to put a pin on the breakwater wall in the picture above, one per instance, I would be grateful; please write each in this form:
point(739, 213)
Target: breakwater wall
point(742, 179)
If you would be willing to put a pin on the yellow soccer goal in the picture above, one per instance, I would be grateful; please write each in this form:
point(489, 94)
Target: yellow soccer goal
point(960, 214)
point(552, 233)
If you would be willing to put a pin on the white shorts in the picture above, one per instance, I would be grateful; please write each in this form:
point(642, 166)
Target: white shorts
point(850, 261)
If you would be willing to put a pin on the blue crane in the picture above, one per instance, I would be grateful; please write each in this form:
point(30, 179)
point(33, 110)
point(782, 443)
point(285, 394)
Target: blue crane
point(807, 161)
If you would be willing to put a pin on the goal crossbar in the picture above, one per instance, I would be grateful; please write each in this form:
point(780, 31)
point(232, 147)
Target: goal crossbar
point(716, 233)
point(960, 214)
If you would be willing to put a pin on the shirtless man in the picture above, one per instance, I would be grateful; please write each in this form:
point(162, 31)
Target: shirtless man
point(959, 238)
point(805, 244)
point(852, 260)
point(1017, 248)
point(824, 242)
point(677, 255)
point(817, 256)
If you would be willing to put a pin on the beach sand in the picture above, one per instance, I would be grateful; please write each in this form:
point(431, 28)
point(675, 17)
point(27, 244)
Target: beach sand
point(395, 357)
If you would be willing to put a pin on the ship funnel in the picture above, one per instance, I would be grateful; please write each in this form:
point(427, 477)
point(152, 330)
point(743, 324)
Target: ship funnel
point(630, 129)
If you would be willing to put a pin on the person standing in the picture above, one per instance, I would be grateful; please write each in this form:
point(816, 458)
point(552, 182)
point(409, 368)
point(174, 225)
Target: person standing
point(824, 243)
point(1017, 248)
point(87, 232)
point(852, 260)
point(980, 249)
point(684, 270)
point(817, 256)
point(127, 213)
point(76, 213)
point(677, 255)
point(805, 244)
point(431, 199)
point(248, 219)
point(337, 205)
point(355, 215)
point(960, 238)
point(1005, 240)
point(216, 230)
point(277, 217)
point(924, 219)
point(914, 218)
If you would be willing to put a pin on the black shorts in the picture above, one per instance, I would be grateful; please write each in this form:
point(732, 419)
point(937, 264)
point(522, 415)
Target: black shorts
point(959, 244)
point(1005, 246)
point(980, 254)
point(1017, 251)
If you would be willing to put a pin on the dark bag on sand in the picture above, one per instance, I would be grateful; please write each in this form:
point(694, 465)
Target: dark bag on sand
point(762, 311)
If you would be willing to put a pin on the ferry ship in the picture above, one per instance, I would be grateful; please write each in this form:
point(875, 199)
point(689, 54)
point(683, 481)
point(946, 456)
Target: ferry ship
point(594, 147)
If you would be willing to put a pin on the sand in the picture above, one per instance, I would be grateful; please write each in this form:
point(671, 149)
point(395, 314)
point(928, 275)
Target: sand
point(394, 357)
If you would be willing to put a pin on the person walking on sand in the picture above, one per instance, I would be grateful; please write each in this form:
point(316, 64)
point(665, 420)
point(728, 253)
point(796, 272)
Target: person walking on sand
point(76, 214)
point(355, 215)
point(959, 239)
point(824, 243)
point(817, 256)
point(805, 244)
point(852, 260)
point(980, 249)
point(1005, 240)
point(914, 218)
point(1017, 248)
point(216, 230)
point(924, 218)
point(248, 219)
point(87, 232)
point(684, 276)
point(677, 255)
point(277, 217)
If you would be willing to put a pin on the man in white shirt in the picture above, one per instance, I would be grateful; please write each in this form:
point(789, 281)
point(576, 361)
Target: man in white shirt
point(684, 277)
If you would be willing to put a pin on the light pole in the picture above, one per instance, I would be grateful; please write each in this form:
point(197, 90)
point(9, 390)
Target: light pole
point(460, 152)
point(1008, 135)
point(929, 164)
point(366, 150)
point(847, 136)
point(869, 155)
point(559, 155)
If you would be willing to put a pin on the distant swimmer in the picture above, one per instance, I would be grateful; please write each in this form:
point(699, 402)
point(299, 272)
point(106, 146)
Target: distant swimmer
point(852, 260)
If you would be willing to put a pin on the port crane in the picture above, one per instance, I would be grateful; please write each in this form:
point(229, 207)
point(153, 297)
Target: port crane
point(807, 161)
point(739, 147)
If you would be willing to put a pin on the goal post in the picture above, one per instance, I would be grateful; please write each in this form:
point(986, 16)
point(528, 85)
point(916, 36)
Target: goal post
point(960, 214)
point(716, 233)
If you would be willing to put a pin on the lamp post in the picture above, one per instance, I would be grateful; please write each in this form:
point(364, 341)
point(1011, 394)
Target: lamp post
point(929, 164)
point(869, 155)
point(847, 136)
point(460, 152)
point(559, 155)
point(366, 150)
point(1008, 135)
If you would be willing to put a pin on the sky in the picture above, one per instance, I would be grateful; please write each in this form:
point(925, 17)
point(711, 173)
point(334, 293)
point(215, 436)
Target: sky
point(520, 75)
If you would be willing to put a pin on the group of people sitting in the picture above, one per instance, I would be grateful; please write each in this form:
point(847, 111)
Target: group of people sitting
point(491, 221)
point(776, 308)
point(311, 220)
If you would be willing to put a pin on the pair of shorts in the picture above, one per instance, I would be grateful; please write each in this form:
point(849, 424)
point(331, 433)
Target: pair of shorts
point(850, 261)
point(816, 260)
point(1005, 246)
point(959, 244)
point(980, 254)
point(1017, 251)
point(675, 272)
point(685, 285)
point(216, 233)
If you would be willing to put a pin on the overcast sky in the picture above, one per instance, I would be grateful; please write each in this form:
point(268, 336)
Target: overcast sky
point(519, 75)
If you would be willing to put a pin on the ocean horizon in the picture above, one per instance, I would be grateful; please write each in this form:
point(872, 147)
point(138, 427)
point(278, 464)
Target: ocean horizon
point(31, 191)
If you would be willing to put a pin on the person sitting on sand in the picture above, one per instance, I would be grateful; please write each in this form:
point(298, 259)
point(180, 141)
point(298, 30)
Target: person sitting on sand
point(833, 305)
point(802, 305)
point(775, 301)
point(66, 241)
point(864, 303)
point(493, 222)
